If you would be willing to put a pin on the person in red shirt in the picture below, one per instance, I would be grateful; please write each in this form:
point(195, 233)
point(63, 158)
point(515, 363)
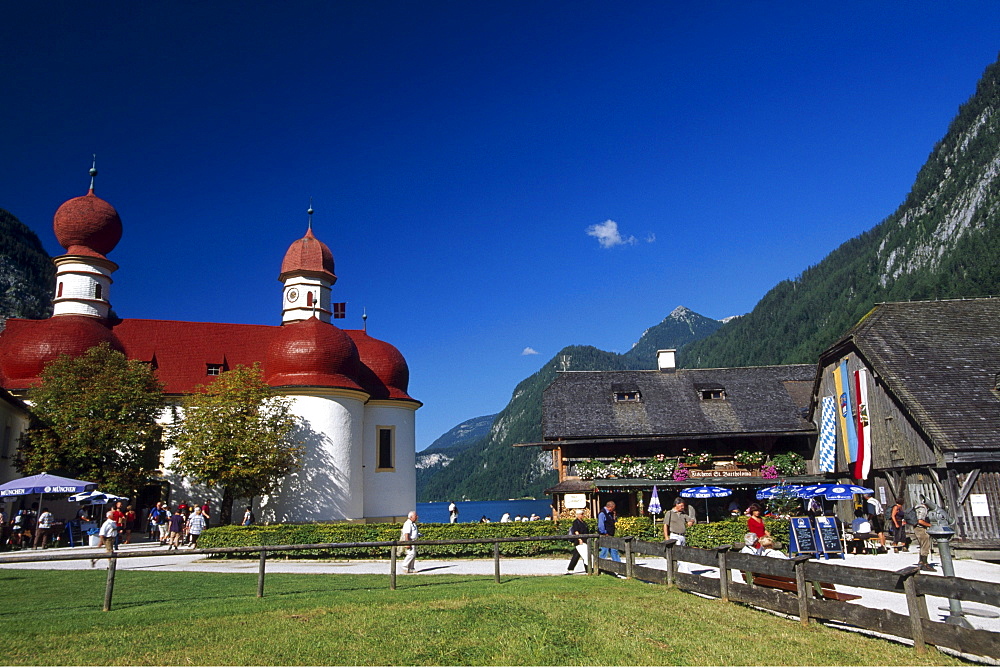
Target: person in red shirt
point(755, 523)
point(118, 515)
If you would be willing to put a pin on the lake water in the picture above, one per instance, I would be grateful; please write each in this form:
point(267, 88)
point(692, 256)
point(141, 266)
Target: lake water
point(471, 511)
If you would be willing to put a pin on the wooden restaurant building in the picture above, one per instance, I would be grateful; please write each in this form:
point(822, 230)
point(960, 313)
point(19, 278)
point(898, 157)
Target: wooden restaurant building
point(930, 421)
point(613, 435)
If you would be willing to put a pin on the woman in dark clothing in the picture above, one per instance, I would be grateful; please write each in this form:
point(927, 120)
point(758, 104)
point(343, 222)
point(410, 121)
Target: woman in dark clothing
point(578, 528)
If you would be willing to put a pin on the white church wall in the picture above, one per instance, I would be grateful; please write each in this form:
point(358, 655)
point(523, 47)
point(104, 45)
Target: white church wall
point(390, 494)
point(329, 486)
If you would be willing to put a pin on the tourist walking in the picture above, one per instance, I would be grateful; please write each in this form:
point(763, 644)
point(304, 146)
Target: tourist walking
point(606, 520)
point(452, 513)
point(410, 532)
point(248, 517)
point(195, 525)
point(44, 529)
point(578, 528)
point(175, 529)
point(109, 531)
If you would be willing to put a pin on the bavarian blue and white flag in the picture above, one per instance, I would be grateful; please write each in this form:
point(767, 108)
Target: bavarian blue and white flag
point(828, 436)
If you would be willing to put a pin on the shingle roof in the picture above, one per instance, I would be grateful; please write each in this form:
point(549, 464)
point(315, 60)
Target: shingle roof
point(941, 360)
point(581, 404)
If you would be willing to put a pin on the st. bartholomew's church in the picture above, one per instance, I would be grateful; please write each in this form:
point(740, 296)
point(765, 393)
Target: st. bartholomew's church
point(348, 389)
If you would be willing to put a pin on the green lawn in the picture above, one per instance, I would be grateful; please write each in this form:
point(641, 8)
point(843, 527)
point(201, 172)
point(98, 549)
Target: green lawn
point(160, 618)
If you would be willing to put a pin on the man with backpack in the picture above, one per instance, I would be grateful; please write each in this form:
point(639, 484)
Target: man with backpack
point(916, 518)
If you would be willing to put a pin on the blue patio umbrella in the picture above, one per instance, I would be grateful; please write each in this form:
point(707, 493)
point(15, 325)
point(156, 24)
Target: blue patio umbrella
point(654, 503)
point(776, 491)
point(43, 483)
point(705, 492)
point(833, 491)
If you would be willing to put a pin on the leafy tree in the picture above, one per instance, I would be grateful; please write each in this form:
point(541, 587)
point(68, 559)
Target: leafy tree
point(235, 433)
point(95, 419)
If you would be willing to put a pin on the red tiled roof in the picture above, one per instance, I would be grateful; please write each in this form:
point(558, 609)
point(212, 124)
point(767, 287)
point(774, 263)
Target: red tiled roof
point(306, 353)
point(26, 346)
point(384, 373)
point(309, 256)
point(87, 226)
point(312, 353)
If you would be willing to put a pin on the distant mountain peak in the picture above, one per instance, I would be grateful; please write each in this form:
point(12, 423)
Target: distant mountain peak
point(681, 312)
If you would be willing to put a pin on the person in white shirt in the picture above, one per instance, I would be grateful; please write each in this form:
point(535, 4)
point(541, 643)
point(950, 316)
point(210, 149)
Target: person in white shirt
point(410, 532)
point(767, 549)
point(44, 529)
point(108, 532)
point(452, 513)
point(195, 525)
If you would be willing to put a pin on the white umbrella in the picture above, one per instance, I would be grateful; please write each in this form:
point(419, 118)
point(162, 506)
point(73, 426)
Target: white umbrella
point(654, 503)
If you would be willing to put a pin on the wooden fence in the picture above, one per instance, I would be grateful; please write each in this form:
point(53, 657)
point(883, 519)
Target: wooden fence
point(263, 550)
point(916, 625)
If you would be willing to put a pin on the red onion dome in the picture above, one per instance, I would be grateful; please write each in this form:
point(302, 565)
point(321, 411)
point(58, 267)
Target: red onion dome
point(26, 346)
point(312, 353)
point(87, 226)
point(308, 256)
point(384, 373)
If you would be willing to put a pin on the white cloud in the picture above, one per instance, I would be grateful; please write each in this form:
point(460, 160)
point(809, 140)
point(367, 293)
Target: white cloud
point(529, 351)
point(608, 236)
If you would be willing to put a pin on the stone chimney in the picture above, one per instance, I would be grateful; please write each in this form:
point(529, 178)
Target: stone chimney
point(666, 360)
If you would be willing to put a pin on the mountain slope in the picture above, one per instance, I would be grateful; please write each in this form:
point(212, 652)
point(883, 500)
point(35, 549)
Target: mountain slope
point(27, 275)
point(942, 242)
point(492, 469)
point(442, 451)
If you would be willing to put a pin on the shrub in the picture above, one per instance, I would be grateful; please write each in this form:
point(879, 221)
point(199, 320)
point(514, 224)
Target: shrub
point(732, 530)
point(304, 534)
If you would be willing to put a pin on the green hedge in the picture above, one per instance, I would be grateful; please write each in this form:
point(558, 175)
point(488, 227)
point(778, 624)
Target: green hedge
point(732, 530)
point(302, 534)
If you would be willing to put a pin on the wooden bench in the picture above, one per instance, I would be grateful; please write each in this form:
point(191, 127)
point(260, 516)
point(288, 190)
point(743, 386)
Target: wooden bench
point(820, 589)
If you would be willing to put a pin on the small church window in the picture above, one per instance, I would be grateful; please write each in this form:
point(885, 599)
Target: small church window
point(214, 369)
point(59, 290)
point(98, 291)
point(716, 394)
point(632, 395)
point(309, 299)
point(386, 449)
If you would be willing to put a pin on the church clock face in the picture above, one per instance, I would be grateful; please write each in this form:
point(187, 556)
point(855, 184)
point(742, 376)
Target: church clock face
point(293, 294)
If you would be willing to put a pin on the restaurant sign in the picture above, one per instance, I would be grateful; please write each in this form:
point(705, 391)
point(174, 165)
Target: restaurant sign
point(725, 471)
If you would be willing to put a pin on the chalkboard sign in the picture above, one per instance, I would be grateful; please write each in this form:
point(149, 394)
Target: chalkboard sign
point(802, 539)
point(829, 535)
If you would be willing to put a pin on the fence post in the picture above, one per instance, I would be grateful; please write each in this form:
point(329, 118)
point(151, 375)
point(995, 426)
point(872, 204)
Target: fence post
point(392, 567)
point(496, 561)
point(110, 588)
point(916, 606)
point(802, 588)
point(260, 573)
point(591, 556)
point(595, 556)
point(668, 554)
point(723, 551)
point(629, 558)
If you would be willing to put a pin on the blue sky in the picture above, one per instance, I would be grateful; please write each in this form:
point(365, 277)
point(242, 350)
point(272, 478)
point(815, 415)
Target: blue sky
point(464, 158)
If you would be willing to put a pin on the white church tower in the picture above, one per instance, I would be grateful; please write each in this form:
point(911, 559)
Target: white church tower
point(307, 272)
point(88, 228)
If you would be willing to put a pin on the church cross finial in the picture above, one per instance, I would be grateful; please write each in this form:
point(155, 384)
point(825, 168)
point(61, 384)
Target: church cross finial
point(93, 173)
point(310, 212)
